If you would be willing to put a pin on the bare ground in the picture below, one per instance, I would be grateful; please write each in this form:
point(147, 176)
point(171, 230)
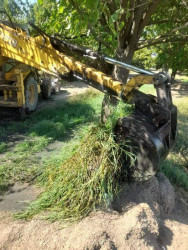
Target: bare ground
point(139, 225)
point(180, 89)
point(67, 90)
point(147, 215)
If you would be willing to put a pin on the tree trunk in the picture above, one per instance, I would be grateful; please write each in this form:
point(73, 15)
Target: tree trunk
point(108, 104)
point(128, 38)
point(121, 74)
point(173, 75)
point(124, 55)
point(165, 69)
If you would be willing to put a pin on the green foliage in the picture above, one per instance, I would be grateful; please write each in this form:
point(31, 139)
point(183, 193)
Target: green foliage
point(20, 11)
point(144, 58)
point(3, 147)
point(173, 56)
point(114, 17)
point(63, 19)
point(104, 23)
point(72, 20)
point(168, 33)
point(11, 8)
point(32, 145)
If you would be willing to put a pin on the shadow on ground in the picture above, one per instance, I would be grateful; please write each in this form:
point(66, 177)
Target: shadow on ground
point(55, 122)
point(180, 89)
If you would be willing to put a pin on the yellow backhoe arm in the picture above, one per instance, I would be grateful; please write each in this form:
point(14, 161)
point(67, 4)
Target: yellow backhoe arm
point(38, 52)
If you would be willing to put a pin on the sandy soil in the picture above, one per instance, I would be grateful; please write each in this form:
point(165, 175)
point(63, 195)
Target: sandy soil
point(143, 217)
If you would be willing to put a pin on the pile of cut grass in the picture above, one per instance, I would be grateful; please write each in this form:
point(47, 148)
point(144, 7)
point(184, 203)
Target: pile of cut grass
point(88, 179)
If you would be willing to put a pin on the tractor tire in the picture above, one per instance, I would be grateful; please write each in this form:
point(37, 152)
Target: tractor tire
point(31, 94)
point(46, 88)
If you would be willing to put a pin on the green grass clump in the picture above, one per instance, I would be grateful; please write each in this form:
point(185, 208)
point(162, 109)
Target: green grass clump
point(54, 122)
point(32, 145)
point(88, 179)
point(18, 170)
point(175, 173)
point(175, 167)
point(3, 147)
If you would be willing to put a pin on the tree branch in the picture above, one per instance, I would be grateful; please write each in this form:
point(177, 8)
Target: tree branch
point(178, 28)
point(112, 6)
point(166, 21)
point(163, 40)
point(112, 9)
point(128, 22)
point(138, 15)
point(104, 22)
point(147, 15)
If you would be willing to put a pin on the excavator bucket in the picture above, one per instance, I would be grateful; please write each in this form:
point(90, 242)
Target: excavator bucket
point(150, 132)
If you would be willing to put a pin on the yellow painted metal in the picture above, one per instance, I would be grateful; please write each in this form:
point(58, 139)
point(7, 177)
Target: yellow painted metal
point(33, 51)
point(5, 95)
point(10, 93)
point(92, 74)
point(38, 52)
point(134, 83)
point(20, 92)
point(11, 76)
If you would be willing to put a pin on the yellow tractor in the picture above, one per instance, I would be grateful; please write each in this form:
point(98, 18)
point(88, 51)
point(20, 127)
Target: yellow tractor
point(21, 84)
point(151, 128)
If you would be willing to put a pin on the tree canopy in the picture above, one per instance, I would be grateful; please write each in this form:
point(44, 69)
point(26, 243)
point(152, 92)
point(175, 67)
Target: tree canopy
point(116, 27)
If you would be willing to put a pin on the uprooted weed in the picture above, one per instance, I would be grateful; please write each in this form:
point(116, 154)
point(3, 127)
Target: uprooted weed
point(88, 179)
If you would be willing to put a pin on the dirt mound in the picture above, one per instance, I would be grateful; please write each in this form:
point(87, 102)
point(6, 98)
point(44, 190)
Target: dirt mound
point(138, 228)
point(135, 229)
point(157, 192)
point(144, 220)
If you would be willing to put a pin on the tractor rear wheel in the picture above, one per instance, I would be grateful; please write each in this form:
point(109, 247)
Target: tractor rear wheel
point(31, 94)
